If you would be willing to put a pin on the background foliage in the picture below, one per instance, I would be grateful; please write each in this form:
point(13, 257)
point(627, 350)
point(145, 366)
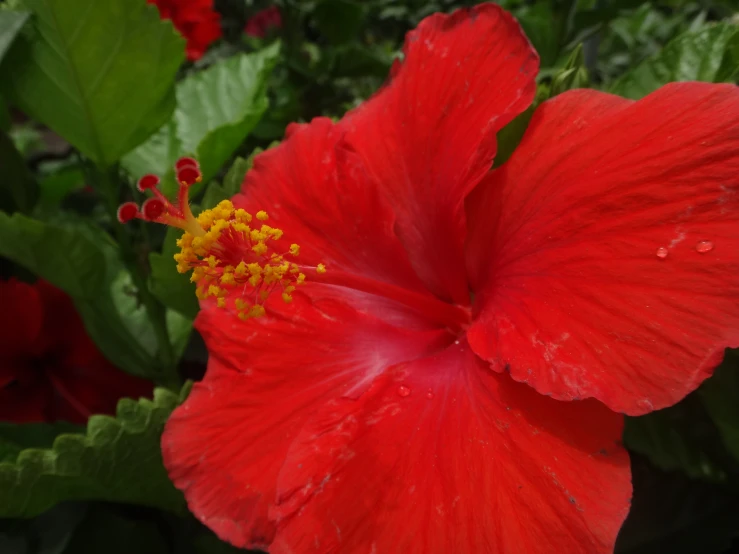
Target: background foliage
point(94, 94)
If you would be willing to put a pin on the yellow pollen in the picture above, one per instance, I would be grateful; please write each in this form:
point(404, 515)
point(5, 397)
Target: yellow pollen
point(238, 265)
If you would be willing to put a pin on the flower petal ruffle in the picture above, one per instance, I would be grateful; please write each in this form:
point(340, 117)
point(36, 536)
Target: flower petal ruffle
point(266, 377)
point(428, 137)
point(442, 455)
point(605, 252)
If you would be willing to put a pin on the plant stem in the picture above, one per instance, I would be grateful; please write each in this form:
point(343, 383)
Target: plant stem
point(107, 181)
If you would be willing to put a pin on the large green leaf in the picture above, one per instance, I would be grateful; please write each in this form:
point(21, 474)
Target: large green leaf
point(216, 110)
point(18, 189)
point(84, 263)
point(117, 460)
point(11, 22)
point(710, 54)
point(99, 73)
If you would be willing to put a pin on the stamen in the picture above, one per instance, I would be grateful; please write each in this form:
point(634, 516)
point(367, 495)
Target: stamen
point(224, 247)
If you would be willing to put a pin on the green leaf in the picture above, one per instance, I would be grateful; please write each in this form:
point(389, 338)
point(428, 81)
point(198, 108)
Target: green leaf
point(231, 182)
point(692, 56)
point(117, 460)
point(11, 22)
point(719, 395)
point(100, 74)
point(573, 75)
point(679, 438)
point(216, 109)
point(173, 289)
point(83, 262)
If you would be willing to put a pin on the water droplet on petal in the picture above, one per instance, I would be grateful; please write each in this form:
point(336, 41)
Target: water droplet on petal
point(662, 252)
point(429, 395)
point(704, 246)
point(403, 391)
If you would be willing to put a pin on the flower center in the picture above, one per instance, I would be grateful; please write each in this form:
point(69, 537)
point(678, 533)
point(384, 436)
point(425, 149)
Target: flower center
point(227, 249)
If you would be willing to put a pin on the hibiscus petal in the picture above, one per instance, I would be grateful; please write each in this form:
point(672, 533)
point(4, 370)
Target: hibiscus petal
point(320, 196)
point(429, 136)
point(442, 455)
point(225, 445)
point(605, 253)
point(21, 320)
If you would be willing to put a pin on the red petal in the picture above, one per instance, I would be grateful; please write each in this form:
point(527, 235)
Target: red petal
point(320, 196)
point(443, 456)
point(21, 319)
point(429, 136)
point(225, 445)
point(587, 247)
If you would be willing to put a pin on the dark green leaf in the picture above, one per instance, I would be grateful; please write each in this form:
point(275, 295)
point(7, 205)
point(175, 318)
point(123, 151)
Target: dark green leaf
point(119, 534)
point(11, 22)
point(693, 56)
point(98, 73)
point(674, 515)
point(117, 460)
point(680, 438)
point(720, 396)
point(173, 289)
point(339, 21)
point(18, 189)
point(17, 437)
point(216, 110)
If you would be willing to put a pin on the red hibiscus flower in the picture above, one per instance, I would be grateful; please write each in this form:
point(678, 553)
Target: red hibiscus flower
point(50, 370)
point(453, 380)
point(196, 20)
point(262, 21)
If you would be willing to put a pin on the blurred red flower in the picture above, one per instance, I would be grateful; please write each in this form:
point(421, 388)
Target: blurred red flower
point(455, 381)
point(50, 370)
point(196, 20)
point(261, 22)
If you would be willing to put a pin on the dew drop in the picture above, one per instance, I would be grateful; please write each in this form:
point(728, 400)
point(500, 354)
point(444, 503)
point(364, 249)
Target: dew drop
point(662, 252)
point(403, 391)
point(429, 395)
point(704, 246)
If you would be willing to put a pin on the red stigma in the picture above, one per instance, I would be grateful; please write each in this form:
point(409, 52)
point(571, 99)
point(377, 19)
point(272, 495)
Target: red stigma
point(188, 175)
point(127, 211)
point(152, 209)
point(186, 162)
point(147, 182)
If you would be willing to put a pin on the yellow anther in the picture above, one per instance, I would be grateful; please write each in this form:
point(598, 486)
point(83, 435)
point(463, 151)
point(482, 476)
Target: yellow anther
point(213, 290)
point(320, 268)
point(226, 255)
point(242, 216)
